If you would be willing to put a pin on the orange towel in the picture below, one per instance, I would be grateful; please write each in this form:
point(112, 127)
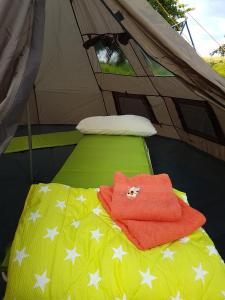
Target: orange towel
point(155, 199)
point(148, 233)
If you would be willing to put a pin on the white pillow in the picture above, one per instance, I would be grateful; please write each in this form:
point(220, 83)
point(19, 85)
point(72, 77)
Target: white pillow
point(117, 125)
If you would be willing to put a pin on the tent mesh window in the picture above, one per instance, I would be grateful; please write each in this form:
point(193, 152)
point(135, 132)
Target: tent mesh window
point(198, 118)
point(112, 59)
point(156, 69)
point(129, 104)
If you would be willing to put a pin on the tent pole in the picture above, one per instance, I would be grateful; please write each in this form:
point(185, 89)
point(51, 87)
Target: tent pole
point(189, 32)
point(182, 28)
point(29, 136)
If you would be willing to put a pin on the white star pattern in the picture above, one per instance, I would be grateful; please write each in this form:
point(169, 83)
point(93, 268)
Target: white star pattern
point(94, 279)
point(168, 254)
point(44, 189)
point(51, 233)
point(124, 297)
point(96, 211)
point(200, 273)
point(97, 190)
point(212, 250)
point(177, 297)
point(61, 204)
point(184, 197)
point(118, 253)
point(96, 234)
point(203, 231)
point(20, 255)
point(115, 226)
point(184, 240)
point(72, 255)
point(147, 278)
point(34, 216)
point(41, 281)
point(223, 293)
point(81, 198)
point(75, 224)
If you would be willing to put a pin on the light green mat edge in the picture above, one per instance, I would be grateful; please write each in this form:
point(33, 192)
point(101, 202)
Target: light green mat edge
point(47, 140)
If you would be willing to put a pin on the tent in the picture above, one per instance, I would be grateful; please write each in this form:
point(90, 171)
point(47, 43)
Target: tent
point(105, 57)
point(65, 60)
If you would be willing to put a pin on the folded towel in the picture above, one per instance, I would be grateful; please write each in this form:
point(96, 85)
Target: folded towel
point(148, 233)
point(144, 197)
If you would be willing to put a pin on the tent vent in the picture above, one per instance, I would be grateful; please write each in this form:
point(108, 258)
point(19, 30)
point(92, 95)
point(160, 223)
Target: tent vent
point(198, 118)
point(112, 59)
point(129, 104)
point(118, 16)
point(155, 68)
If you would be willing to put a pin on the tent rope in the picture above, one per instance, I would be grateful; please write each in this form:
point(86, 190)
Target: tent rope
point(167, 13)
point(209, 34)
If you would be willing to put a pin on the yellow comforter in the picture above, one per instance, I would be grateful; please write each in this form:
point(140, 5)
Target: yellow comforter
point(67, 248)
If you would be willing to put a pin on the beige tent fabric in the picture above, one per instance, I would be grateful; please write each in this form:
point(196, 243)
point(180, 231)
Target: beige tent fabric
point(17, 22)
point(66, 88)
point(5, 105)
point(148, 27)
point(110, 103)
point(173, 87)
point(167, 131)
point(129, 84)
point(67, 108)
point(93, 17)
point(21, 36)
point(212, 148)
point(71, 84)
point(141, 58)
point(93, 57)
point(160, 110)
point(133, 60)
point(220, 113)
point(162, 114)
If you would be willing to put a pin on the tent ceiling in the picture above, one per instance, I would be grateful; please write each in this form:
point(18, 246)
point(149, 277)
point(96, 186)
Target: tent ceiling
point(75, 82)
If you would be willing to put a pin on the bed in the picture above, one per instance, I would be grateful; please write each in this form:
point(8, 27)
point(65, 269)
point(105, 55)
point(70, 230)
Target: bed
point(97, 157)
point(67, 247)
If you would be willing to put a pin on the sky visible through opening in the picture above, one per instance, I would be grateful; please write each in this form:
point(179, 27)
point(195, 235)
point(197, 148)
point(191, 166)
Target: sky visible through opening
point(211, 15)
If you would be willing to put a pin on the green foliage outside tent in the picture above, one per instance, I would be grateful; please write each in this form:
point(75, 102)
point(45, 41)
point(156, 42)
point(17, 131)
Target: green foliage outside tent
point(177, 11)
point(112, 59)
point(217, 63)
point(171, 10)
point(123, 69)
point(219, 51)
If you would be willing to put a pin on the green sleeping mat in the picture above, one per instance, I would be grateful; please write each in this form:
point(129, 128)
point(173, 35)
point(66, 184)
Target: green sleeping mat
point(97, 157)
point(95, 160)
point(46, 140)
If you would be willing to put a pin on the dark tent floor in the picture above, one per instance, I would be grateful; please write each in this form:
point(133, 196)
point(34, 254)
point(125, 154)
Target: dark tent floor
point(201, 176)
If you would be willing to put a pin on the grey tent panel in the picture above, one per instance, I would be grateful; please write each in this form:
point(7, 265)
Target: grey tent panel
point(73, 84)
point(22, 34)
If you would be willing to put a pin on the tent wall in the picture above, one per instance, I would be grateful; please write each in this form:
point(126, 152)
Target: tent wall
point(71, 84)
point(66, 87)
point(21, 31)
point(93, 17)
point(156, 37)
